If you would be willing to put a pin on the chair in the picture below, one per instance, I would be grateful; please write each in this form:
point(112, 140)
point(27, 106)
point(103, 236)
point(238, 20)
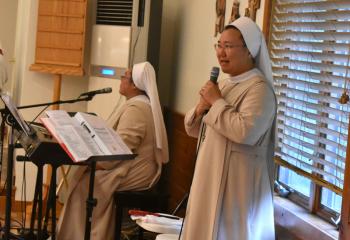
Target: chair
point(150, 200)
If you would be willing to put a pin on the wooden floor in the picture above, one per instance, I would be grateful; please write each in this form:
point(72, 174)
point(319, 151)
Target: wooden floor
point(20, 214)
point(17, 217)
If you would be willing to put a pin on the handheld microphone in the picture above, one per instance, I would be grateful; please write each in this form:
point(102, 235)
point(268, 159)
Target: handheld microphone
point(100, 91)
point(214, 74)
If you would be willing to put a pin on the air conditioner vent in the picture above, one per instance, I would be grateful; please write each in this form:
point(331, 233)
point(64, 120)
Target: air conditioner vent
point(114, 12)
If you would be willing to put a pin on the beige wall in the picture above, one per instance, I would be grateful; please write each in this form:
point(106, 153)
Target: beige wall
point(8, 10)
point(32, 87)
point(187, 52)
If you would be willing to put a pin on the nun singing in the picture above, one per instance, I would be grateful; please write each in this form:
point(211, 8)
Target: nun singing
point(231, 192)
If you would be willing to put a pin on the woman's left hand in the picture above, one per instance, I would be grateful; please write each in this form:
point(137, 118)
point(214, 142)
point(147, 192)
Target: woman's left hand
point(210, 92)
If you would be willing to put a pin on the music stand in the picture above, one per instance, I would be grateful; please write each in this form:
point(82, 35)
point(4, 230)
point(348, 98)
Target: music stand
point(91, 202)
point(13, 118)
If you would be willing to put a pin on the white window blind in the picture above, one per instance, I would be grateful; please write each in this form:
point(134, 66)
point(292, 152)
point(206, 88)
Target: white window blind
point(309, 44)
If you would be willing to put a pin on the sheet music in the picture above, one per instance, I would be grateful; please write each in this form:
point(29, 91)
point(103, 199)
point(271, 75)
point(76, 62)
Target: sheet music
point(108, 140)
point(74, 140)
point(60, 118)
point(84, 135)
point(78, 142)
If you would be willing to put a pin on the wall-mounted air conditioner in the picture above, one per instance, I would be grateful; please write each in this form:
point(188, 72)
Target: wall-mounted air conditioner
point(125, 32)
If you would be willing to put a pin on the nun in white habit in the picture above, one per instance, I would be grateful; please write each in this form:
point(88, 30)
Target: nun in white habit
point(231, 192)
point(140, 124)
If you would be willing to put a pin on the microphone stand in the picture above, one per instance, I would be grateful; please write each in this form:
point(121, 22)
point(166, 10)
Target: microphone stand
point(7, 117)
point(87, 98)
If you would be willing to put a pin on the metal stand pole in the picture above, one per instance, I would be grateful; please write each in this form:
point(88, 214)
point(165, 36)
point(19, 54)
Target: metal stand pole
point(9, 178)
point(91, 202)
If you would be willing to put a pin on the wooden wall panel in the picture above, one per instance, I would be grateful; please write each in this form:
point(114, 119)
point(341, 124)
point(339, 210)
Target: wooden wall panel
point(59, 57)
point(180, 168)
point(60, 24)
point(59, 41)
point(62, 8)
point(60, 37)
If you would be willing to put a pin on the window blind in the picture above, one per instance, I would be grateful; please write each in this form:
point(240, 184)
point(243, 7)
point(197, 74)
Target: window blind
point(309, 47)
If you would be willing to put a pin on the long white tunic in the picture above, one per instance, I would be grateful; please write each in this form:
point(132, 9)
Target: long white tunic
point(134, 124)
point(231, 194)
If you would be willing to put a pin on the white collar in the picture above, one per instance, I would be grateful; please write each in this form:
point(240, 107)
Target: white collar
point(141, 98)
point(245, 76)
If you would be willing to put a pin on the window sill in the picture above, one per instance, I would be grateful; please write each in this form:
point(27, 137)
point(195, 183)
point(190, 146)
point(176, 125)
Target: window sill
point(301, 223)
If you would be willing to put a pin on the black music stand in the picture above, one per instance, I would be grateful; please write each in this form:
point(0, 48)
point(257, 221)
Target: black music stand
point(14, 119)
point(40, 160)
point(91, 202)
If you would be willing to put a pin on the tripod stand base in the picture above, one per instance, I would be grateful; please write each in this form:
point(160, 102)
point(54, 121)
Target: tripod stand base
point(11, 236)
point(27, 234)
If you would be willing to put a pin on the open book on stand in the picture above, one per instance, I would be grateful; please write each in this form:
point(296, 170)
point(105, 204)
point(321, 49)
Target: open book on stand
point(83, 135)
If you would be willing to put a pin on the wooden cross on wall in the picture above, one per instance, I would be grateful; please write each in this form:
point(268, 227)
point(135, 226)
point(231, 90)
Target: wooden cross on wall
point(234, 12)
point(253, 6)
point(220, 8)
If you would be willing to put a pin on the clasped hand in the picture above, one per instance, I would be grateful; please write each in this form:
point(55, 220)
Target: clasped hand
point(209, 94)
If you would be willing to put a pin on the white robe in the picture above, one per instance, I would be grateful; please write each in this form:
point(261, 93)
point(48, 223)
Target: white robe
point(231, 193)
point(134, 124)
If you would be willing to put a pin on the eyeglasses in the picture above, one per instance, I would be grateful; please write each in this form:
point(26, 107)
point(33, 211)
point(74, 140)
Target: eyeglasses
point(226, 47)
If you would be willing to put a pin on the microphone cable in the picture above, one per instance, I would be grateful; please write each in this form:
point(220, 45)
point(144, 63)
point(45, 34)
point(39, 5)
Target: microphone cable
point(199, 143)
point(213, 78)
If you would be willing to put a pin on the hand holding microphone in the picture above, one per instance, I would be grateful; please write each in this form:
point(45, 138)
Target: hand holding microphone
point(209, 92)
